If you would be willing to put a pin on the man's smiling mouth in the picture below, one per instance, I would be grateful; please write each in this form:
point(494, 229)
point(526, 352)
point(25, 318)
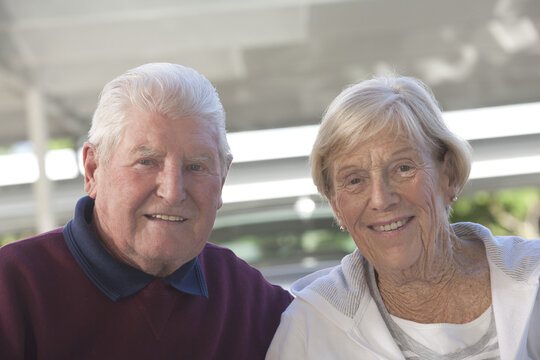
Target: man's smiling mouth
point(166, 217)
point(391, 226)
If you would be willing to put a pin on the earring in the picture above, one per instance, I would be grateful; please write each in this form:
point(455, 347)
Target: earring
point(341, 228)
point(454, 198)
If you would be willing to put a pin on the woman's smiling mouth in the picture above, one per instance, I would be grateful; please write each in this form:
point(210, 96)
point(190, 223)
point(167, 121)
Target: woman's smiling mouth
point(391, 226)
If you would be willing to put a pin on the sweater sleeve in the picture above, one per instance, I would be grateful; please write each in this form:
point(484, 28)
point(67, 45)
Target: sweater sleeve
point(15, 340)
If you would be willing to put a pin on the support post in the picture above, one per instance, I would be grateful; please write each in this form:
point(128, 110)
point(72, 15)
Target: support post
point(38, 134)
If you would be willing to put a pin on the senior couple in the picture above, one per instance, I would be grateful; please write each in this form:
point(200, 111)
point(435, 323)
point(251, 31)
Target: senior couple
point(132, 275)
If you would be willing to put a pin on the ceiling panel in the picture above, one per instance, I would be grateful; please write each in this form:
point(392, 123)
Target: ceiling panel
point(275, 63)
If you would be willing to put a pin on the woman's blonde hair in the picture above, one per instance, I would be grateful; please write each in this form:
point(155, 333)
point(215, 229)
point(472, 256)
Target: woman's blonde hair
point(400, 105)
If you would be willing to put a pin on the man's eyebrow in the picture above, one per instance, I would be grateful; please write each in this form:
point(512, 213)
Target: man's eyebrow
point(146, 151)
point(201, 157)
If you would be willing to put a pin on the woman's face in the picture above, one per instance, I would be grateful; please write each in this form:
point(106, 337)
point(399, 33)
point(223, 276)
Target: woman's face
point(391, 194)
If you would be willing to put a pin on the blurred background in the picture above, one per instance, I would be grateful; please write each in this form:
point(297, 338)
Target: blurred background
point(277, 64)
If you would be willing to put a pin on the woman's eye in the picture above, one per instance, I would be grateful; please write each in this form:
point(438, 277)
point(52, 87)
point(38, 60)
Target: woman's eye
point(353, 181)
point(405, 168)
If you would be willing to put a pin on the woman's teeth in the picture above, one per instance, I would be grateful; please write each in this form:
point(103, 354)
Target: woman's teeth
point(392, 226)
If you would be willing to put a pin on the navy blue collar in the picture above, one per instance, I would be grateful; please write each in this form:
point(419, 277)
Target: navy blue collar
point(115, 278)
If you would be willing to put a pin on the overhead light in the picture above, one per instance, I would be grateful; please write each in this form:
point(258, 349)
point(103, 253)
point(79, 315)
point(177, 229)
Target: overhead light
point(272, 143)
point(493, 122)
point(268, 190)
point(482, 123)
point(305, 187)
point(61, 164)
point(23, 169)
point(505, 167)
point(304, 207)
point(472, 124)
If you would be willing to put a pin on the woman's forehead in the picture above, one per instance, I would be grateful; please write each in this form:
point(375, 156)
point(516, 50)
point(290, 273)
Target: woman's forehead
point(377, 148)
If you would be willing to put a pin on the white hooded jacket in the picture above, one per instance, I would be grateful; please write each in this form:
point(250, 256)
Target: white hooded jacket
point(335, 317)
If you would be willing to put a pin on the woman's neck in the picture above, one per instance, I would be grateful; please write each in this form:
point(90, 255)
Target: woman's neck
point(448, 286)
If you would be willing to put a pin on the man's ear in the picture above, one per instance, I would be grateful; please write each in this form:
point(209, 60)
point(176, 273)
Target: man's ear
point(90, 163)
point(226, 170)
point(223, 178)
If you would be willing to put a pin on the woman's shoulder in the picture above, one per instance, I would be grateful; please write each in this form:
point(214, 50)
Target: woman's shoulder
point(343, 287)
point(516, 256)
point(349, 270)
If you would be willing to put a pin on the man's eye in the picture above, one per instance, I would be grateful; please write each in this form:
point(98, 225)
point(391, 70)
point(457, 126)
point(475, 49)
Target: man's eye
point(355, 181)
point(195, 167)
point(145, 162)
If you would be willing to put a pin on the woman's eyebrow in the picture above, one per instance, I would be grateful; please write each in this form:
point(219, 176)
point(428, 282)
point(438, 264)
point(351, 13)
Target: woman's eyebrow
point(404, 149)
point(345, 169)
point(396, 153)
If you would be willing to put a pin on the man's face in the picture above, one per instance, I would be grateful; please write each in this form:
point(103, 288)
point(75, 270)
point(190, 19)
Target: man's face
point(156, 199)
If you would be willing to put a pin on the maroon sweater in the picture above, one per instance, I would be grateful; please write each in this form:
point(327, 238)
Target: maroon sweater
point(50, 309)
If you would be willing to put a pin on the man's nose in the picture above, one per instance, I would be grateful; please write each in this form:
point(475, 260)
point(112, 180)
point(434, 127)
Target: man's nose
point(171, 184)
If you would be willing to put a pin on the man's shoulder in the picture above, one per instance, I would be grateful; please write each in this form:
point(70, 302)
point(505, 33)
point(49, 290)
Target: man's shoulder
point(32, 255)
point(215, 256)
point(223, 268)
point(34, 244)
point(211, 247)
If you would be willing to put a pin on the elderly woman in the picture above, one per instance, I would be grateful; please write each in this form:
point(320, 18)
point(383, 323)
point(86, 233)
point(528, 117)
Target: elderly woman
point(417, 287)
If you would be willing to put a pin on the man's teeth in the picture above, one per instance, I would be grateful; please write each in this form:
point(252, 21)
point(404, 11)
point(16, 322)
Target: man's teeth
point(167, 217)
point(392, 226)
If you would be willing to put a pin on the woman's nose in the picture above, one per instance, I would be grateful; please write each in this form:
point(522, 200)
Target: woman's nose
point(382, 194)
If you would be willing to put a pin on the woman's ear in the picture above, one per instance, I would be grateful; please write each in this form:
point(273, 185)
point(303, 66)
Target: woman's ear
point(331, 200)
point(327, 192)
point(449, 175)
point(335, 208)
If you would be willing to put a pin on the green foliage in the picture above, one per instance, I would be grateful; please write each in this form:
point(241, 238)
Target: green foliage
point(246, 247)
point(61, 143)
point(6, 239)
point(287, 244)
point(504, 212)
point(9, 238)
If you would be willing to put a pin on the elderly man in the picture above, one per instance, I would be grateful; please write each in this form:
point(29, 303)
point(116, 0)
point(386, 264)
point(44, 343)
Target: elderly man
point(132, 276)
